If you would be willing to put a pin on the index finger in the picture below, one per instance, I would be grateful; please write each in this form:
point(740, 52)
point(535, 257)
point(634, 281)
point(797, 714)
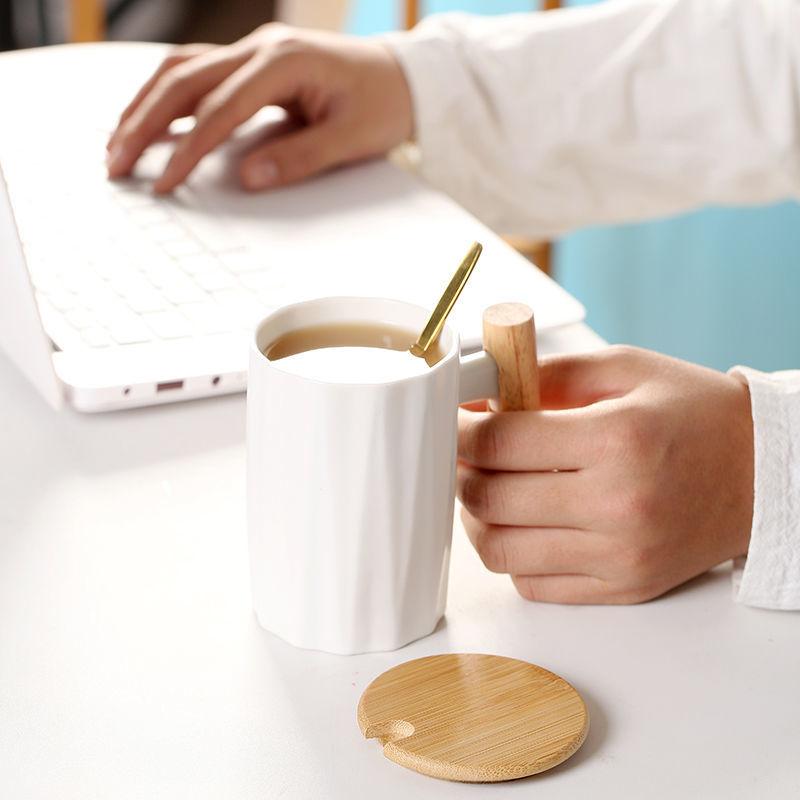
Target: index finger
point(177, 56)
point(257, 83)
point(530, 441)
point(175, 94)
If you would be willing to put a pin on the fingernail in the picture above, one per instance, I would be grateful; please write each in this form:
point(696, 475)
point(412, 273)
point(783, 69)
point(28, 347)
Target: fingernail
point(261, 174)
point(115, 158)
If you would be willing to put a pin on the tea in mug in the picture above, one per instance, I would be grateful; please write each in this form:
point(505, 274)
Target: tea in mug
point(351, 352)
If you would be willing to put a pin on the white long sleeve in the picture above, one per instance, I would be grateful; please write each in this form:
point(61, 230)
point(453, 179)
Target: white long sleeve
point(631, 109)
point(541, 123)
point(771, 575)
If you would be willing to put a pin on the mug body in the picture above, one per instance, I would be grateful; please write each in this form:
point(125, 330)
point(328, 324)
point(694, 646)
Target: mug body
point(351, 490)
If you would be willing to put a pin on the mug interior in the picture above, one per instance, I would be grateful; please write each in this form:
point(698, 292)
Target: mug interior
point(349, 309)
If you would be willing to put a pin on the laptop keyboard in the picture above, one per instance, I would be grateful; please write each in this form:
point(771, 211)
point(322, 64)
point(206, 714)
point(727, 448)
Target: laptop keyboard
point(147, 272)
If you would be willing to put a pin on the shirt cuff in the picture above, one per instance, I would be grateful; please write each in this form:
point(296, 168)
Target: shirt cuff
point(771, 574)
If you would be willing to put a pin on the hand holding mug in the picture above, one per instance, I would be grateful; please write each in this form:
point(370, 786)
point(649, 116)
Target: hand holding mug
point(654, 483)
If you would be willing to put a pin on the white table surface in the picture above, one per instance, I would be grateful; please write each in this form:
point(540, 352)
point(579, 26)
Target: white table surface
point(131, 665)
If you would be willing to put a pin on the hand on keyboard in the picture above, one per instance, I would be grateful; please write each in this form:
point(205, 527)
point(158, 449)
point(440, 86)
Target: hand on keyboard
point(349, 95)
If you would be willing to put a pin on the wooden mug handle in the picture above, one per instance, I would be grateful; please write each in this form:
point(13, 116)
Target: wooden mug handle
point(509, 336)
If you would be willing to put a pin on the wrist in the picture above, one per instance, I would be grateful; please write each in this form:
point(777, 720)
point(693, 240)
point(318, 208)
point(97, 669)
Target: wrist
point(746, 463)
point(401, 106)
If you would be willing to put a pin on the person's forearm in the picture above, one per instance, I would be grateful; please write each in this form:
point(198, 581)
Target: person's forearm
point(541, 123)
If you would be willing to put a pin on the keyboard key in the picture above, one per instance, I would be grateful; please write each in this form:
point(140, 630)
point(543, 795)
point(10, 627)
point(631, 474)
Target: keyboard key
point(181, 293)
point(129, 331)
point(242, 306)
point(259, 281)
point(63, 300)
point(168, 324)
point(197, 263)
point(166, 232)
point(239, 261)
point(114, 311)
point(146, 300)
point(114, 259)
point(81, 280)
point(148, 259)
point(166, 275)
point(79, 318)
point(106, 266)
point(234, 298)
point(209, 317)
point(130, 196)
point(215, 281)
point(101, 299)
point(209, 227)
point(96, 337)
point(145, 215)
point(286, 294)
point(269, 297)
point(129, 284)
point(182, 247)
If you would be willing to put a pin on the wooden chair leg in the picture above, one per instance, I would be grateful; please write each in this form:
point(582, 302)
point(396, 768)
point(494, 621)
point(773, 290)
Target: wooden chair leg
point(410, 13)
point(541, 253)
point(544, 258)
point(87, 20)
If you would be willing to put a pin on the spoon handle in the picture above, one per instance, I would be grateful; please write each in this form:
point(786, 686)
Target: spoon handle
point(509, 336)
point(445, 305)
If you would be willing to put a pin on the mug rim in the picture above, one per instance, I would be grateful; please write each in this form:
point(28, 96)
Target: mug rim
point(452, 352)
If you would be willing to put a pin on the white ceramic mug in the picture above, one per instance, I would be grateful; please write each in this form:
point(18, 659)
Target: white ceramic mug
point(351, 487)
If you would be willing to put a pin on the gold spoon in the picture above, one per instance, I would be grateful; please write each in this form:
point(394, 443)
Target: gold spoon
point(430, 333)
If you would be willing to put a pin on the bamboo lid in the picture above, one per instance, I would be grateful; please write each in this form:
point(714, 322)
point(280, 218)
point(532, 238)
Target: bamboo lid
point(473, 717)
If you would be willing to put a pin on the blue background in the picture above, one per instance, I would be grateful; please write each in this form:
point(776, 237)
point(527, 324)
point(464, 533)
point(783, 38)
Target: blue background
point(719, 286)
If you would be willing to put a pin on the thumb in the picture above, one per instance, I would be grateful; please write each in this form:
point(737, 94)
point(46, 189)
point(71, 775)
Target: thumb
point(294, 157)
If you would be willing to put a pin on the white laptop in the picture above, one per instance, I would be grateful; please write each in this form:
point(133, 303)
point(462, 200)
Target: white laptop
point(111, 297)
